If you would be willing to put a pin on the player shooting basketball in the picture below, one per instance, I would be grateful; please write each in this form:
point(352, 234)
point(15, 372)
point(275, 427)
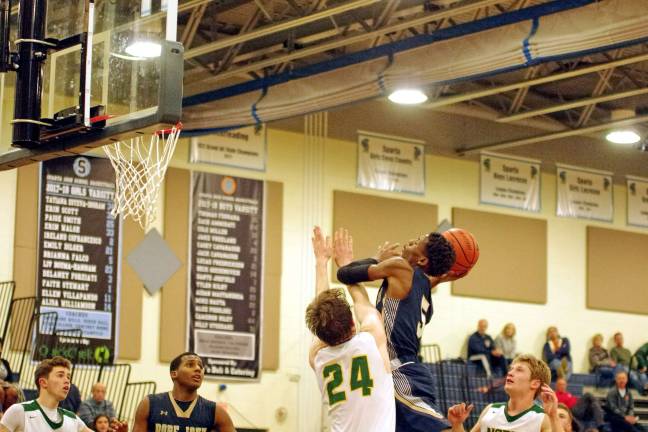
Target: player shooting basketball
point(405, 302)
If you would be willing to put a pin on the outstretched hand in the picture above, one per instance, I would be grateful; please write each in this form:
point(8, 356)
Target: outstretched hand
point(117, 426)
point(549, 400)
point(446, 277)
point(322, 246)
point(387, 250)
point(343, 247)
point(457, 414)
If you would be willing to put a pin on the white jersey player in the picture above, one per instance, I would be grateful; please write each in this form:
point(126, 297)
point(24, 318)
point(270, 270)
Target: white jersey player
point(43, 414)
point(527, 379)
point(352, 369)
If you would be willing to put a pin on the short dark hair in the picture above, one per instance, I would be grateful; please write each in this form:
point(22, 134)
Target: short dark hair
point(45, 367)
point(176, 362)
point(440, 255)
point(329, 317)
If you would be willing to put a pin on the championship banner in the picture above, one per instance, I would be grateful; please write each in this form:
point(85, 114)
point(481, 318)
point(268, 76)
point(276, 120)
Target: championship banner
point(226, 289)
point(510, 181)
point(637, 201)
point(240, 148)
point(584, 193)
point(391, 163)
point(77, 257)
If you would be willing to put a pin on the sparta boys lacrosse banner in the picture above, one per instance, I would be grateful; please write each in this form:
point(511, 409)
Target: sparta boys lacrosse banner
point(225, 290)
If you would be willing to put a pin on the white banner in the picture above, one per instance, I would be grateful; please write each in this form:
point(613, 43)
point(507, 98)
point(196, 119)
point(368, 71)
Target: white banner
point(391, 163)
point(584, 193)
point(637, 201)
point(241, 148)
point(510, 181)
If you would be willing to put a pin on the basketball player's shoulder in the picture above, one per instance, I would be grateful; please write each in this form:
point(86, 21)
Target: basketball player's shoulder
point(67, 413)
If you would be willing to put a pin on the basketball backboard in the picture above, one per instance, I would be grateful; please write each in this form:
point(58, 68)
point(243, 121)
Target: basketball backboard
point(129, 83)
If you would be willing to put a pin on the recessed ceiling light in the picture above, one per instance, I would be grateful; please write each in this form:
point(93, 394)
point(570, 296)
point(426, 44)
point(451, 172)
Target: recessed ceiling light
point(623, 137)
point(146, 49)
point(408, 96)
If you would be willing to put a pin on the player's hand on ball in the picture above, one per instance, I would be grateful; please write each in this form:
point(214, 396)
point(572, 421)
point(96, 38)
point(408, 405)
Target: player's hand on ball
point(549, 400)
point(387, 250)
point(322, 246)
point(343, 247)
point(457, 414)
point(446, 277)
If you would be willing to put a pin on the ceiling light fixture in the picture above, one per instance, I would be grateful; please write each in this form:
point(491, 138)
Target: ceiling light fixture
point(408, 96)
point(623, 137)
point(145, 49)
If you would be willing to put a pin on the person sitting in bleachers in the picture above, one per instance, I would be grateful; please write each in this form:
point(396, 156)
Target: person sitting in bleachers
point(601, 363)
point(506, 343)
point(569, 424)
point(624, 359)
point(482, 351)
point(642, 367)
point(101, 423)
point(557, 353)
point(620, 406)
point(563, 395)
point(95, 405)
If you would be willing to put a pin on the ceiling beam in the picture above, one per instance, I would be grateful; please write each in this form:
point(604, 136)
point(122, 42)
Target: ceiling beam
point(449, 100)
point(275, 28)
point(571, 105)
point(554, 135)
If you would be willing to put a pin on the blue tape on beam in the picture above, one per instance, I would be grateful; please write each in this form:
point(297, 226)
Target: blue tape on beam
point(389, 49)
point(525, 44)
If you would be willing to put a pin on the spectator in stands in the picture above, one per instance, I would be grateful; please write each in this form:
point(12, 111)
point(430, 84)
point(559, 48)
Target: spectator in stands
point(601, 363)
point(101, 423)
point(505, 342)
point(482, 351)
point(95, 405)
point(73, 399)
point(624, 359)
point(557, 354)
point(620, 406)
point(563, 395)
point(642, 367)
point(12, 395)
point(567, 420)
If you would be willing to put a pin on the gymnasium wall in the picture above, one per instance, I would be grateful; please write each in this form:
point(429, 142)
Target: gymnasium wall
point(450, 183)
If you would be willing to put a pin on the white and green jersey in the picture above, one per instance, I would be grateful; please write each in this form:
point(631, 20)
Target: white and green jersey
point(497, 419)
point(356, 386)
point(31, 417)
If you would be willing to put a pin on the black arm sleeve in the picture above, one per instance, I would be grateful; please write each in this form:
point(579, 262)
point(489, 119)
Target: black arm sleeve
point(355, 272)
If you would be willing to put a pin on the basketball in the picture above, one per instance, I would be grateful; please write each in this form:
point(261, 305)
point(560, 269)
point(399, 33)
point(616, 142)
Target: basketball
point(465, 247)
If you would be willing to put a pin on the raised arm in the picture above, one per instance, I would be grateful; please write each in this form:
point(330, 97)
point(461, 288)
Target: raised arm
point(323, 250)
point(222, 420)
point(141, 416)
point(365, 312)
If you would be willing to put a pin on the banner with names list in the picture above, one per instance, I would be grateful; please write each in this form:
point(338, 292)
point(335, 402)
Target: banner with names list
point(78, 255)
point(391, 163)
point(637, 201)
point(510, 181)
point(584, 193)
point(226, 284)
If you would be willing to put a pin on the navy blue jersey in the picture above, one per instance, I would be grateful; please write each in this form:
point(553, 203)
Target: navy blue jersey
point(404, 319)
point(168, 415)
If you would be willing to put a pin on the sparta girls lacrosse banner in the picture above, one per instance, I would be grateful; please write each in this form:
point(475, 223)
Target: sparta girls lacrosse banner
point(637, 201)
point(77, 257)
point(391, 163)
point(510, 182)
point(225, 290)
point(584, 193)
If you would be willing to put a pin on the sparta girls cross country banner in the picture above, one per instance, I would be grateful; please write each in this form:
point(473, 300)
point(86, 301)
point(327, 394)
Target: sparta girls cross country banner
point(391, 163)
point(510, 182)
point(637, 201)
point(584, 193)
point(78, 255)
point(225, 290)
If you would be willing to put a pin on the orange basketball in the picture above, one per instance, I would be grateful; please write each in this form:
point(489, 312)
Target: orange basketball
point(465, 247)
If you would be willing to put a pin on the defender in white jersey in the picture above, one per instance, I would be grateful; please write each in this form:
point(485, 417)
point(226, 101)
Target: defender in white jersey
point(527, 379)
point(43, 414)
point(352, 370)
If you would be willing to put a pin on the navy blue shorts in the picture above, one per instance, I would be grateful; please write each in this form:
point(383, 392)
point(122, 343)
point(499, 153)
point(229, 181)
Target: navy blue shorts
point(416, 409)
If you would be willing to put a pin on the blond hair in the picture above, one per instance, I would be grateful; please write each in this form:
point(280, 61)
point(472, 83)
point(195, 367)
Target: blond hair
point(506, 326)
point(597, 336)
point(539, 369)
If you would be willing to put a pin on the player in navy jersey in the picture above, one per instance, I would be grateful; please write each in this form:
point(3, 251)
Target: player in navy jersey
point(405, 302)
point(182, 409)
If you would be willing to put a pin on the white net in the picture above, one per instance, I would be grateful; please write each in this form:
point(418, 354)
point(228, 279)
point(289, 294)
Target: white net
point(140, 164)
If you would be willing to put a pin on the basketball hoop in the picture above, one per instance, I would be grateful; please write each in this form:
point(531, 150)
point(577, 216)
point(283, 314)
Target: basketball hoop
point(140, 165)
